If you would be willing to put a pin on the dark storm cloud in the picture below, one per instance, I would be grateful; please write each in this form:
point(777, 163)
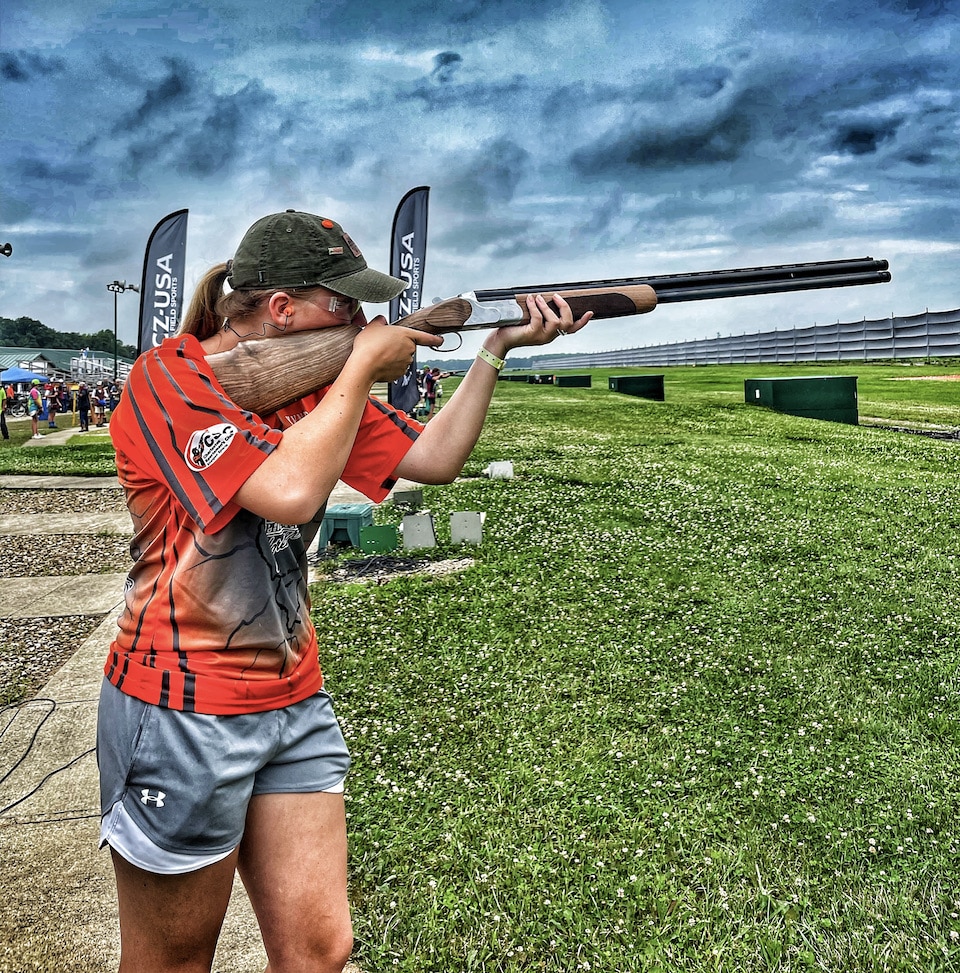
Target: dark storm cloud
point(48, 181)
point(864, 138)
point(503, 237)
point(915, 10)
point(490, 177)
point(21, 68)
point(57, 242)
point(440, 91)
point(180, 123)
point(173, 92)
point(787, 111)
point(705, 81)
point(445, 65)
point(791, 222)
point(833, 15)
point(419, 21)
point(697, 139)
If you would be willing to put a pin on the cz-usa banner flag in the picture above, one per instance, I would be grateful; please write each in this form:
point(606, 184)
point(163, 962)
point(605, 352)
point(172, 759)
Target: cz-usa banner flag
point(408, 255)
point(161, 291)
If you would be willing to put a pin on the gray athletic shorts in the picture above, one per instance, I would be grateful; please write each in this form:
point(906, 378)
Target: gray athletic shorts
point(174, 786)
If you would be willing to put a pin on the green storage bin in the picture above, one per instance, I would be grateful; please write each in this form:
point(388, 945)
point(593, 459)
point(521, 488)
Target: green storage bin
point(832, 398)
point(642, 386)
point(379, 539)
point(342, 523)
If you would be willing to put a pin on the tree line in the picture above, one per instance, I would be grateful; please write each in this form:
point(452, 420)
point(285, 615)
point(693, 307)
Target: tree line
point(30, 333)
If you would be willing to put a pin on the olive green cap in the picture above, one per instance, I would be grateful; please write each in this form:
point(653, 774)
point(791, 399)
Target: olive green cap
point(294, 249)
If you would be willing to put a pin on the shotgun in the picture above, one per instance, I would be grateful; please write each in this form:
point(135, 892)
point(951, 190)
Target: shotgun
point(263, 376)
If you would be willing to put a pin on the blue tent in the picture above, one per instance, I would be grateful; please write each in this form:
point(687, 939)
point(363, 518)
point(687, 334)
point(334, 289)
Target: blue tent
point(20, 375)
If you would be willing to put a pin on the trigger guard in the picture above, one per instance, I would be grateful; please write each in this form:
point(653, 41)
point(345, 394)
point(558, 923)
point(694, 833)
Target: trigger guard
point(447, 351)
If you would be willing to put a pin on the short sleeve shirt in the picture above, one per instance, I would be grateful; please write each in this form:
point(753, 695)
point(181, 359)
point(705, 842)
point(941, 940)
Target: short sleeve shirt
point(216, 614)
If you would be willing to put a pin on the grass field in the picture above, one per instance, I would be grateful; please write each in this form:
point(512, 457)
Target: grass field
point(693, 706)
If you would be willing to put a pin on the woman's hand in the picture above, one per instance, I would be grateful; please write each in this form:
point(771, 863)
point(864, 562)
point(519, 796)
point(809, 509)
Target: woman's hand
point(387, 350)
point(545, 325)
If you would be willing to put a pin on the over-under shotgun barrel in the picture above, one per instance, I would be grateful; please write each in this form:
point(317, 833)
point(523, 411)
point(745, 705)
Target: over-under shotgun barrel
point(741, 282)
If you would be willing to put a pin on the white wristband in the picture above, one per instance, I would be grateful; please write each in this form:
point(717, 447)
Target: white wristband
point(491, 359)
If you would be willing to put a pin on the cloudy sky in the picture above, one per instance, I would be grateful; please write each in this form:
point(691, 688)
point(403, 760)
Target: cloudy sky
point(562, 140)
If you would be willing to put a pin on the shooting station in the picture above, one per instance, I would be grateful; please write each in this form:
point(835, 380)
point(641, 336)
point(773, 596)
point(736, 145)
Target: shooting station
point(642, 386)
point(829, 397)
point(573, 381)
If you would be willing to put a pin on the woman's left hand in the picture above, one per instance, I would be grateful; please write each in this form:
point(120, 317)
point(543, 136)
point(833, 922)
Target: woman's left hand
point(546, 323)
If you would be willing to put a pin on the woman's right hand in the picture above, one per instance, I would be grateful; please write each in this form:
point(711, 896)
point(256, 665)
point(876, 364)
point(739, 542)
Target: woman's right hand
point(387, 350)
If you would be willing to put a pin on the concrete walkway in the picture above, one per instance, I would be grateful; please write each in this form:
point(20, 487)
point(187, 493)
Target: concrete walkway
point(59, 909)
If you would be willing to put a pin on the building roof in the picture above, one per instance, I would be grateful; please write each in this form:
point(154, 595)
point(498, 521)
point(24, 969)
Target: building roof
point(56, 362)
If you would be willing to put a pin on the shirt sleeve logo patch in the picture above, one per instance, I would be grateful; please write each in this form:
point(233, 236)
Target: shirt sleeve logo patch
point(206, 446)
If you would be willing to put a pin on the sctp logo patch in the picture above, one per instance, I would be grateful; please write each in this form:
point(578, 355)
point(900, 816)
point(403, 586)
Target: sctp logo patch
point(206, 446)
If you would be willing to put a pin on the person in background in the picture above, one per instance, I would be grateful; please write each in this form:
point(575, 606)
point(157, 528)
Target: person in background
point(83, 406)
point(218, 748)
point(52, 397)
point(432, 390)
point(3, 413)
point(35, 408)
point(99, 405)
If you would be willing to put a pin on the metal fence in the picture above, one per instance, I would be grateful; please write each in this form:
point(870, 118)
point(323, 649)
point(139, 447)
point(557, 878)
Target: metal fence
point(92, 369)
point(932, 334)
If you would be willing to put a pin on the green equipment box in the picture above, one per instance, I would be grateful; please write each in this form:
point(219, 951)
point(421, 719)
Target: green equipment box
point(829, 397)
point(642, 386)
point(342, 523)
point(573, 381)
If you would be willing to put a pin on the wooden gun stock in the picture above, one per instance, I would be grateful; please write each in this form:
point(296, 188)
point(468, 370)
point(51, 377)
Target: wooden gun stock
point(263, 376)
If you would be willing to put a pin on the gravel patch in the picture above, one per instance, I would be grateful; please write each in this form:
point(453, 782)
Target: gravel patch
point(379, 569)
point(60, 501)
point(65, 554)
point(33, 649)
point(33, 555)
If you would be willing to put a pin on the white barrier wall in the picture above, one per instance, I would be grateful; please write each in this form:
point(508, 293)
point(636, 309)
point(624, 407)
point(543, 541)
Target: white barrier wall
point(932, 334)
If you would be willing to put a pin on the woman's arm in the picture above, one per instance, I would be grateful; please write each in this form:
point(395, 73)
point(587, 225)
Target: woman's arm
point(445, 444)
point(296, 479)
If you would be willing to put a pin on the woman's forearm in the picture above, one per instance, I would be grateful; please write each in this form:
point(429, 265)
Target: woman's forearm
point(445, 444)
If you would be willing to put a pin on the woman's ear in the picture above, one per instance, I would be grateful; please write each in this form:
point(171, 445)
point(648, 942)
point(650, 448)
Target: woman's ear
point(280, 307)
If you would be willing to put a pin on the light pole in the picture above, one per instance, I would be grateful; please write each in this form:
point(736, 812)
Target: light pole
point(118, 287)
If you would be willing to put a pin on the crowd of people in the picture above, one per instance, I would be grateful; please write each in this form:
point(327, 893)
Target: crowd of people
point(43, 402)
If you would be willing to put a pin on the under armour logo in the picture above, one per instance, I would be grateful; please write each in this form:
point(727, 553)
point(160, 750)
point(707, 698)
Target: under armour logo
point(147, 798)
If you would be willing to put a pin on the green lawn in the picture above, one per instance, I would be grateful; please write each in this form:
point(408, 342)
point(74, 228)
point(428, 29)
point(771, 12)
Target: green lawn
point(693, 706)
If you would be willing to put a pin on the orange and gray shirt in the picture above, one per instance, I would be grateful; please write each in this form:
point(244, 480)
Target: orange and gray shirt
point(217, 615)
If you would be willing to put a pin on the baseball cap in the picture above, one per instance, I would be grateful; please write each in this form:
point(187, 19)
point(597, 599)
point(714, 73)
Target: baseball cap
point(294, 249)
point(36, 381)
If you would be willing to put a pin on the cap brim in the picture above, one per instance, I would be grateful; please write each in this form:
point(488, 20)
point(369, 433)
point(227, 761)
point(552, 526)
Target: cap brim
point(367, 285)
